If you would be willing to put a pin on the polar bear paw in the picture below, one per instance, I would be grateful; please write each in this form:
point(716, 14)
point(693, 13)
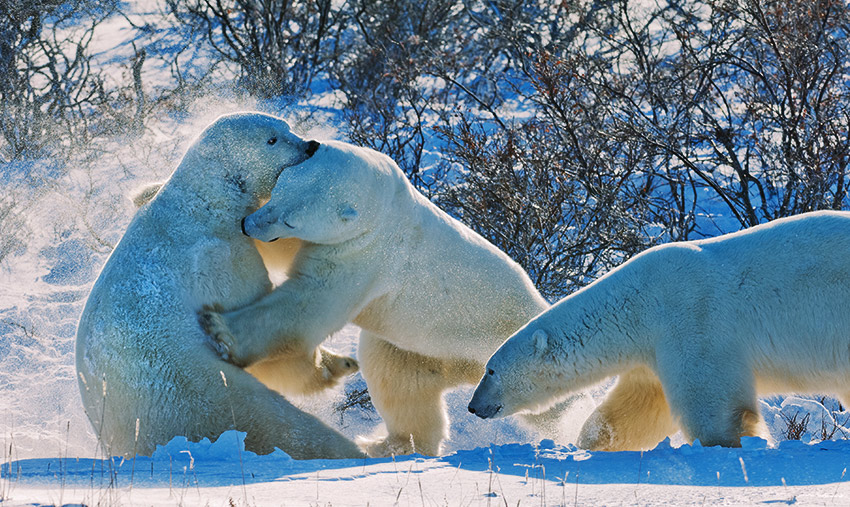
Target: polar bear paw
point(332, 368)
point(213, 324)
point(385, 447)
point(596, 434)
point(335, 366)
point(394, 445)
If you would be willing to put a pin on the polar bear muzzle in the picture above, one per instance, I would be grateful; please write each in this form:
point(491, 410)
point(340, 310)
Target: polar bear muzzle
point(483, 403)
point(244, 232)
point(312, 148)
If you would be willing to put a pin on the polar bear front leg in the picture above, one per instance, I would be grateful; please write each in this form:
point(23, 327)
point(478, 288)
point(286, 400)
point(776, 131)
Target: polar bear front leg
point(407, 390)
point(634, 416)
point(215, 326)
point(294, 318)
point(712, 393)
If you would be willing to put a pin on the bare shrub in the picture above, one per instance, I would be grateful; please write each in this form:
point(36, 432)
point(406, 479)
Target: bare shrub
point(834, 428)
point(357, 398)
point(794, 429)
point(743, 97)
point(392, 94)
point(50, 95)
point(527, 192)
point(13, 228)
point(278, 46)
point(573, 134)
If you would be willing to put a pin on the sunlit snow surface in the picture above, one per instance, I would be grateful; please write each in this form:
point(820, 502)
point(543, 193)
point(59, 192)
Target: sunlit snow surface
point(512, 474)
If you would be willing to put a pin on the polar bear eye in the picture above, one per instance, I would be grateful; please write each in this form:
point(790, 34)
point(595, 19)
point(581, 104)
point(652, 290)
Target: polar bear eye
point(491, 372)
point(272, 141)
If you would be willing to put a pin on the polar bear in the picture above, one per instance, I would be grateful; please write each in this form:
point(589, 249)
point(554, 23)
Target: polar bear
point(433, 298)
point(696, 330)
point(146, 370)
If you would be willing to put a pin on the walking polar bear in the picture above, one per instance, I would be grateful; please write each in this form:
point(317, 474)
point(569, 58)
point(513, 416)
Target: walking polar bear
point(146, 370)
point(433, 298)
point(695, 330)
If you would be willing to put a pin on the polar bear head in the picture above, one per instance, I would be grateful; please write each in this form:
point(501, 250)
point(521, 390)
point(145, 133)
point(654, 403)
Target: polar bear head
point(249, 150)
point(525, 374)
point(340, 193)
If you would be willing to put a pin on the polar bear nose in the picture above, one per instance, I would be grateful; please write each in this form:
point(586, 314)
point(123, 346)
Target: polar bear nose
point(486, 411)
point(312, 146)
point(250, 222)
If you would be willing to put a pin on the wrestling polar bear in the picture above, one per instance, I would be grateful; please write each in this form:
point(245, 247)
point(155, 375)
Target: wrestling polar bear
point(695, 330)
point(433, 298)
point(147, 372)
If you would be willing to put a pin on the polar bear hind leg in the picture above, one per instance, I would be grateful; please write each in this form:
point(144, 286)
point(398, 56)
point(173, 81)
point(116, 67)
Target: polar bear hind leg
point(634, 416)
point(219, 397)
point(302, 374)
point(407, 390)
point(270, 421)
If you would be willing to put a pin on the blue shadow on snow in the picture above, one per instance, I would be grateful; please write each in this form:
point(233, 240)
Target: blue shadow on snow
point(182, 464)
point(754, 464)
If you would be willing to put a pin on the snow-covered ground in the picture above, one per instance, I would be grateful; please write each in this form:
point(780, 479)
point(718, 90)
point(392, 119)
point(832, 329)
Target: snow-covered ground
point(223, 473)
point(51, 456)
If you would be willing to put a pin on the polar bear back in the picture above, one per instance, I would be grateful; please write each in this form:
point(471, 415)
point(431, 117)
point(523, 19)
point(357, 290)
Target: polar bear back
point(776, 294)
point(788, 295)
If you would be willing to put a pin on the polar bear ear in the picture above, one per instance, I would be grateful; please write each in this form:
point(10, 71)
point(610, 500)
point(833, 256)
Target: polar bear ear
point(541, 341)
point(347, 213)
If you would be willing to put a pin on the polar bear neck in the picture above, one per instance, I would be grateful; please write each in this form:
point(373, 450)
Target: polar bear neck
point(206, 192)
point(603, 329)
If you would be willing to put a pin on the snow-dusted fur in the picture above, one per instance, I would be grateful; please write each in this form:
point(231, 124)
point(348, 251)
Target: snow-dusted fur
point(147, 372)
point(696, 330)
point(433, 298)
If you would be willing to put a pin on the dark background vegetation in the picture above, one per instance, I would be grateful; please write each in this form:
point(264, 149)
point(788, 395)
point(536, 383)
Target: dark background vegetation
point(571, 134)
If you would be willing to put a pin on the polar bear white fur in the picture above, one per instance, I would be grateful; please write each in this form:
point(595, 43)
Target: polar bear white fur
point(696, 330)
point(433, 298)
point(147, 372)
